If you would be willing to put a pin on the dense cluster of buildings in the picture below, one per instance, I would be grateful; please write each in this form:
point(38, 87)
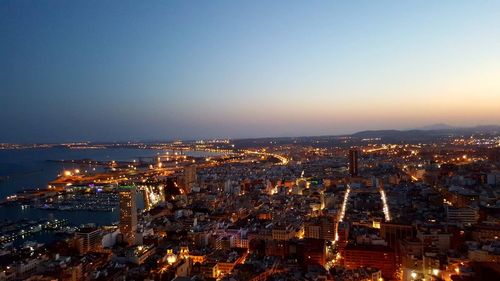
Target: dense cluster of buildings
point(357, 211)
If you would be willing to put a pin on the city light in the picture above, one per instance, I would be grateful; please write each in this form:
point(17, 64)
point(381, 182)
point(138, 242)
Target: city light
point(344, 204)
point(385, 207)
point(234, 141)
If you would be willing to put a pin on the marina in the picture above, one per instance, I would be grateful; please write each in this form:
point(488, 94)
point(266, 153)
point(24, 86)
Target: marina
point(72, 185)
point(94, 202)
point(12, 231)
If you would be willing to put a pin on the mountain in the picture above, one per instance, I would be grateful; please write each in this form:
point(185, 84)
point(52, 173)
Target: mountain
point(438, 126)
point(437, 130)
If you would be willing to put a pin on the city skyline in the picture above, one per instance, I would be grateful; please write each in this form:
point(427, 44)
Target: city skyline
point(116, 71)
point(249, 140)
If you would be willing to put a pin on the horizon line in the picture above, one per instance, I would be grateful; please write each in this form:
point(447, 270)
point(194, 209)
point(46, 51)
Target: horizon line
point(422, 128)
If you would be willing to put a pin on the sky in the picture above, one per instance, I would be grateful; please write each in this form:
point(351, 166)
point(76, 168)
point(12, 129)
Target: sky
point(149, 70)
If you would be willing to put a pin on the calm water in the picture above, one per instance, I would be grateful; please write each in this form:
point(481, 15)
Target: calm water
point(29, 169)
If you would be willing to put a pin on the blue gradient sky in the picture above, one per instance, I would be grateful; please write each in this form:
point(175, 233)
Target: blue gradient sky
point(133, 70)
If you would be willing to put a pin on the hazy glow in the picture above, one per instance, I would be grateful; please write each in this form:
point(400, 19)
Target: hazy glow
point(115, 70)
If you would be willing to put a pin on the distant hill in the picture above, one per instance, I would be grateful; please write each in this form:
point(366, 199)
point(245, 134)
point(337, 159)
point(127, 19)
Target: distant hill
point(391, 134)
point(429, 131)
point(439, 126)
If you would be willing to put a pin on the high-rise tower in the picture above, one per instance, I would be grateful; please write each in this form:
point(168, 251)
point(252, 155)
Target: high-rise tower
point(189, 177)
point(128, 213)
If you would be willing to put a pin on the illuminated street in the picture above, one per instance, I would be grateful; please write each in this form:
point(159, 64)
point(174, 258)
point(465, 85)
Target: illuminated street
point(249, 140)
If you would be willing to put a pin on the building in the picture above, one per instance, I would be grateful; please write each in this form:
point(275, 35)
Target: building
point(307, 251)
point(275, 248)
point(145, 197)
point(328, 225)
point(493, 178)
point(73, 272)
point(353, 162)
point(210, 270)
point(381, 257)
point(89, 239)
point(435, 239)
point(223, 243)
point(27, 267)
point(312, 230)
point(485, 232)
point(189, 177)
point(320, 228)
point(343, 233)
point(358, 274)
point(394, 232)
point(483, 256)
point(128, 213)
point(312, 251)
point(283, 232)
point(136, 255)
point(462, 215)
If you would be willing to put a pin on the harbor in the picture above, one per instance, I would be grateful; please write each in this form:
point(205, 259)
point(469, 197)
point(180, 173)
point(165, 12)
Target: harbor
point(76, 186)
point(11, 231)
point(94, 202)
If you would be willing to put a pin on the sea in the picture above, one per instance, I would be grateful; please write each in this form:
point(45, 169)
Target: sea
point(23, 169)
